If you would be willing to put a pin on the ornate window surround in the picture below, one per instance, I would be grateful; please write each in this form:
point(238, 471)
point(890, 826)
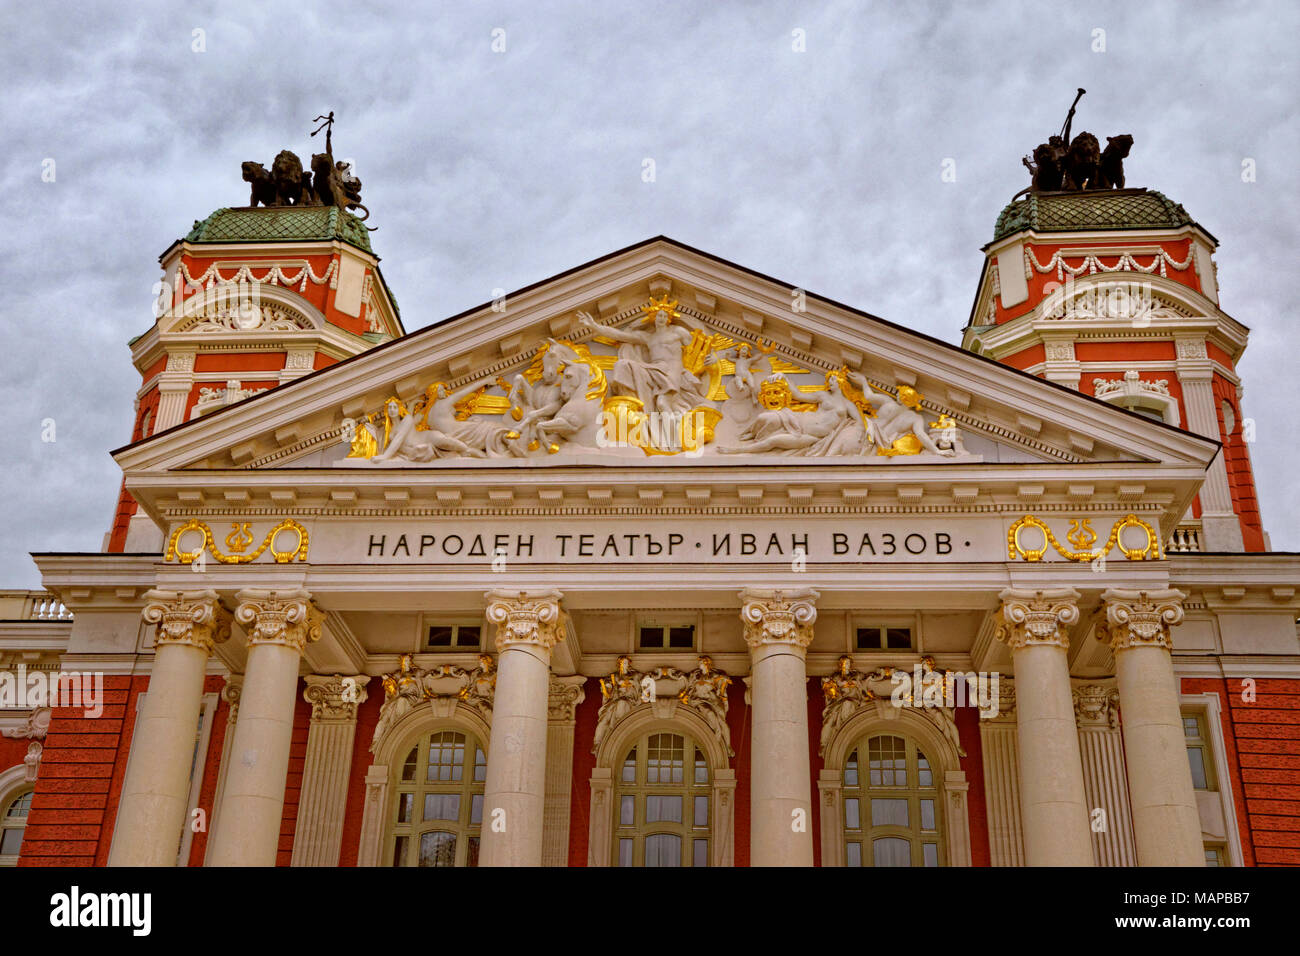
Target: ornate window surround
point(1131, 394)
point(663, 715)
point(13, 784)
point(391, 750)
point(268, 293)
point(945, 762)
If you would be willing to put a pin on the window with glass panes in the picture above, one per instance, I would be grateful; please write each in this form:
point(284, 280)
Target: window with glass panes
point(892, 810)
point(13, 820)
point(663, 805)
point(1198, 752)
point(883, 638)
point(437, 811)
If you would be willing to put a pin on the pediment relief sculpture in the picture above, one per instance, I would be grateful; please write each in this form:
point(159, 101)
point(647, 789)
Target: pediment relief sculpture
point(410, 686)
point(665, 387)
point(703, 690)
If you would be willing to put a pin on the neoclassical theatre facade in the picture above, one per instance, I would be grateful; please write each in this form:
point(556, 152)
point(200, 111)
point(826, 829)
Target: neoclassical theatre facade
point(664, 562)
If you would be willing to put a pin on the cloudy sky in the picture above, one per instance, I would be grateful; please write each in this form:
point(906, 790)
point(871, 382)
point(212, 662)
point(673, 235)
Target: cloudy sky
point(492, 169)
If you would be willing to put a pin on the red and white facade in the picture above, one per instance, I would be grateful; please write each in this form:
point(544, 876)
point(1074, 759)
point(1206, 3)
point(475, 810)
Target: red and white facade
point(327, 635)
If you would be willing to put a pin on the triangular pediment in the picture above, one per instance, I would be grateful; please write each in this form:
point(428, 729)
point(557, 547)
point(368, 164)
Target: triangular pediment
point(663, 355)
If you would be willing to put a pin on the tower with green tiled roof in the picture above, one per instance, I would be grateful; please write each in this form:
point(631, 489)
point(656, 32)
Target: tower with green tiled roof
point(252, 298)
point(1114, 293)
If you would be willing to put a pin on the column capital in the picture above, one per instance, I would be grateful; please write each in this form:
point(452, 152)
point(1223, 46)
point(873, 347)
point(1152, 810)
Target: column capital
point(526, 617)
point(565, 694)
point(288, 618)
point(1140, 618)
point(1036, 617)
point(335, 698)
point(231, 692)
point(193, 618)
point(1096, 705)
point(778, 617)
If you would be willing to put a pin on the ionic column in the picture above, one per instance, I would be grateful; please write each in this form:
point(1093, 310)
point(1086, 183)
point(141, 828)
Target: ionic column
point(153, 809)
point(1052, 800)
point(279, 625)
point(1166, 824)
point(529, 624)
point(778, 630)
point(318, 836)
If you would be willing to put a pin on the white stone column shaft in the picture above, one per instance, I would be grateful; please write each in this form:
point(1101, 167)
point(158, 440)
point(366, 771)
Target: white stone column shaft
point(279, 625)
point(1052, 798)
point(153, 809)
point(1166, 823)
point(528, 627)
point(778, 629)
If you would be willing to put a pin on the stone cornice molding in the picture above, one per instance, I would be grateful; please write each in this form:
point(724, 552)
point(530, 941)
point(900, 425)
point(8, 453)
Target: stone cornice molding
point(192, 618)
point(778, 617)
point(335, 698)
point(288, 618)
point(1040, 617)
point(1139, 618)
point(526, 618)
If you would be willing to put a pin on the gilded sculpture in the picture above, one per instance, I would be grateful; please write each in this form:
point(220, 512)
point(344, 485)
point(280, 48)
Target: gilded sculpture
point(670, 388)
point(703, 690)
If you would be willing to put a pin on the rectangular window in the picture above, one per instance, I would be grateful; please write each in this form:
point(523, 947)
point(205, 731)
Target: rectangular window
point(1198, 756)
point(663, 809)
point(883, 638)
point(672, 636)
point(701, 853)
point(701, 811)
point(461, 636)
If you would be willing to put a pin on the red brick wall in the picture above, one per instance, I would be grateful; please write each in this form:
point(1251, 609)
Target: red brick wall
point(968, 726)
point(367, 720)
point(584, 761)
point(126, 505)
point(211, 769)
point(739, 723)
point(80, 778)
point(293, 781)
point(1262, 740)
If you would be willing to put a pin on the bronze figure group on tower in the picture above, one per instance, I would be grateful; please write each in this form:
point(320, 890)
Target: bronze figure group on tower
point(1057, 167)
point(327, 183)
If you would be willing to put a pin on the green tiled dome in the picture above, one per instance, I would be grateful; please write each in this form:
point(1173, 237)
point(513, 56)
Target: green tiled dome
point(281, 223)
point(1091, 209)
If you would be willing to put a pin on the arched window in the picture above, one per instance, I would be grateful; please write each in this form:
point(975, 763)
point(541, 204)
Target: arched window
point(891, 805)
point(437, 806)
point(663, 807)
point(13, 820)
